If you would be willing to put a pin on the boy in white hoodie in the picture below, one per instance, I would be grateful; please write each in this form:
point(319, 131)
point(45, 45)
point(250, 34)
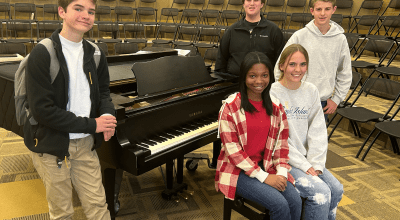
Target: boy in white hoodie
point(330, 63)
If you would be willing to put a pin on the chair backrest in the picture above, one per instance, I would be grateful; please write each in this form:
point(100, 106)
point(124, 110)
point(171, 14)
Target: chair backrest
point(382, 88)
point(147, 2)
point(6, 9)
point(369, 6)
point(103, 46)
point(50, 9)
point(12, 48)
point(46, 28)
point(199, 4)
point(338, 18)
point(190, 16)
point(179, 3)
point(293, 4)
point(103, 10)
point(382, 47)
point(146, 13)
point(124, 11)
point(28, 9)
point(125, 48)
point(190, 31)
point(211, 54)
point(165, 29)
point(18, 25)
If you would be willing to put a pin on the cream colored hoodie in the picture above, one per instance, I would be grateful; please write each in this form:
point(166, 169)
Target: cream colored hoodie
point(330, 63)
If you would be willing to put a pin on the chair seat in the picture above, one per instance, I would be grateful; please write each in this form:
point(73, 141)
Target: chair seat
point(394, 71)
point(18, 40)
point(205, 45)
point(144, 41)
point(159, 41)
point(359, 114)
point(390, 127)
point(110, 40)
point(183, 43)
point(362, 64)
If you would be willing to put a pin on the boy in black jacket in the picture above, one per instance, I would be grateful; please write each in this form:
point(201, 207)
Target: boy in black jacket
point(74, 115)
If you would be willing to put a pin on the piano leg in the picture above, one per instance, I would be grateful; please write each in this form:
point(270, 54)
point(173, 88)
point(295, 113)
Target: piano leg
point(173, 189)
point(112, 184)
point(216, 151)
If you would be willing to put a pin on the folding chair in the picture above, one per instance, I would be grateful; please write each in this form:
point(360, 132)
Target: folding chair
point(103, 46)
point(211, 32)
point(168, 13)
point(50, 9)
point(210, 56)
point(103, 10)
point(186, 31)
point(25, 11)
point(389, 127)
point(276, 16)
point(6, 9)
point(138, 33)
point(124, 12)
point(164, 33)
point(231, 14)
point(380, 47)
point(344, 8)
point(110, 28)
point(212, 14)
point(19, 26)
point(13, 48)
point(355, 82)
point(147, 15)
point(389, 70)
point(382, 88)
point(367, 7)
point(125, 48)
point(45, 28)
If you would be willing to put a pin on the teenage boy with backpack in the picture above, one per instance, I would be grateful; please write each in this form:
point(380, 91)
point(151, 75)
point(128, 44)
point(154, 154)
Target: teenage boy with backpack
point(74, 115)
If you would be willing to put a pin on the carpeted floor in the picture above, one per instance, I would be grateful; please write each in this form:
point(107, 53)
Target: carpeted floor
point(370, 187)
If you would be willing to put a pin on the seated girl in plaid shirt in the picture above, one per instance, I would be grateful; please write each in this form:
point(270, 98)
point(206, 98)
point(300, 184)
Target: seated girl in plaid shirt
point(254, 157)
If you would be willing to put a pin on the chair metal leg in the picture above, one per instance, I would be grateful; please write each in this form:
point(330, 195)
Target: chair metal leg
point(395, 146)
point(357, 129)
point(228, 205)
point(365, 142)
point(369, 147)
point(330, 121)
point(354, 128)
point(333, 129)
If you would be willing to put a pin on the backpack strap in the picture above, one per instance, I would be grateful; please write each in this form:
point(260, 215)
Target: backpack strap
point(54, 64)
point(97, 54)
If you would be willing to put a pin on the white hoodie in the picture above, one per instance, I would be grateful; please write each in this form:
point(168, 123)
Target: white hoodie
point(330, 62)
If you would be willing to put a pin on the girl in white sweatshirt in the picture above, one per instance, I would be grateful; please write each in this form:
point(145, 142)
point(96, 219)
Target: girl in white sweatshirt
point(308, 143)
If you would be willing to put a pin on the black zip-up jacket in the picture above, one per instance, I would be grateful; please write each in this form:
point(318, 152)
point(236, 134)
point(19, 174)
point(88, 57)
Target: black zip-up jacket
point(237, 41)
point(47, 102)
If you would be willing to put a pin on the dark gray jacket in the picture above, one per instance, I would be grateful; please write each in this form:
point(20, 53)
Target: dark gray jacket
point(237, 41)
point(47, 102)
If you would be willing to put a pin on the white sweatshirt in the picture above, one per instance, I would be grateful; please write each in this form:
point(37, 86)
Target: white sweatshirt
point(308, 141)
point(330, 62)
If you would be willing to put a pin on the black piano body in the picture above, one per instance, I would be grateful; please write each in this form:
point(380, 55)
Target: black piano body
point(173, 112)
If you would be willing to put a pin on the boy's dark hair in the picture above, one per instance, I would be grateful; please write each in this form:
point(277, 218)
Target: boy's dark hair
point(262, 1)
point(249, 61)
point(312, 2)
point(64, 3)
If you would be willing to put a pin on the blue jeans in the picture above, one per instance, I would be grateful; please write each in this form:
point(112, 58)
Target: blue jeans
point(324, 103)
point(284, 205)
point(323, 194)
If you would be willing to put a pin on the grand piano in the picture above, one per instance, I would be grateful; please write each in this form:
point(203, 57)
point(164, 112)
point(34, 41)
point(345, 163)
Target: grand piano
point(166, 106)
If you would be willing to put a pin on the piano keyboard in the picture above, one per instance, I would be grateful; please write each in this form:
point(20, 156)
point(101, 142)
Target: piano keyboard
point(177, 136)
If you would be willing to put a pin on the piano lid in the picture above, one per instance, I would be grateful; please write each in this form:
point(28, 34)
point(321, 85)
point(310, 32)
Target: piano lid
point(169, 73)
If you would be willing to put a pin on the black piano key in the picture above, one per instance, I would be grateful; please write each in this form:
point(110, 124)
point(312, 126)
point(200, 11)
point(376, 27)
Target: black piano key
point(182, 129)
point(142, 145)
point(158, 139)
point(167, 136)
point(174, 132)
point(150, 143)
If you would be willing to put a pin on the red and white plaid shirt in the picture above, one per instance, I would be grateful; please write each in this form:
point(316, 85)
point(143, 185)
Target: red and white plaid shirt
point(233, 132)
